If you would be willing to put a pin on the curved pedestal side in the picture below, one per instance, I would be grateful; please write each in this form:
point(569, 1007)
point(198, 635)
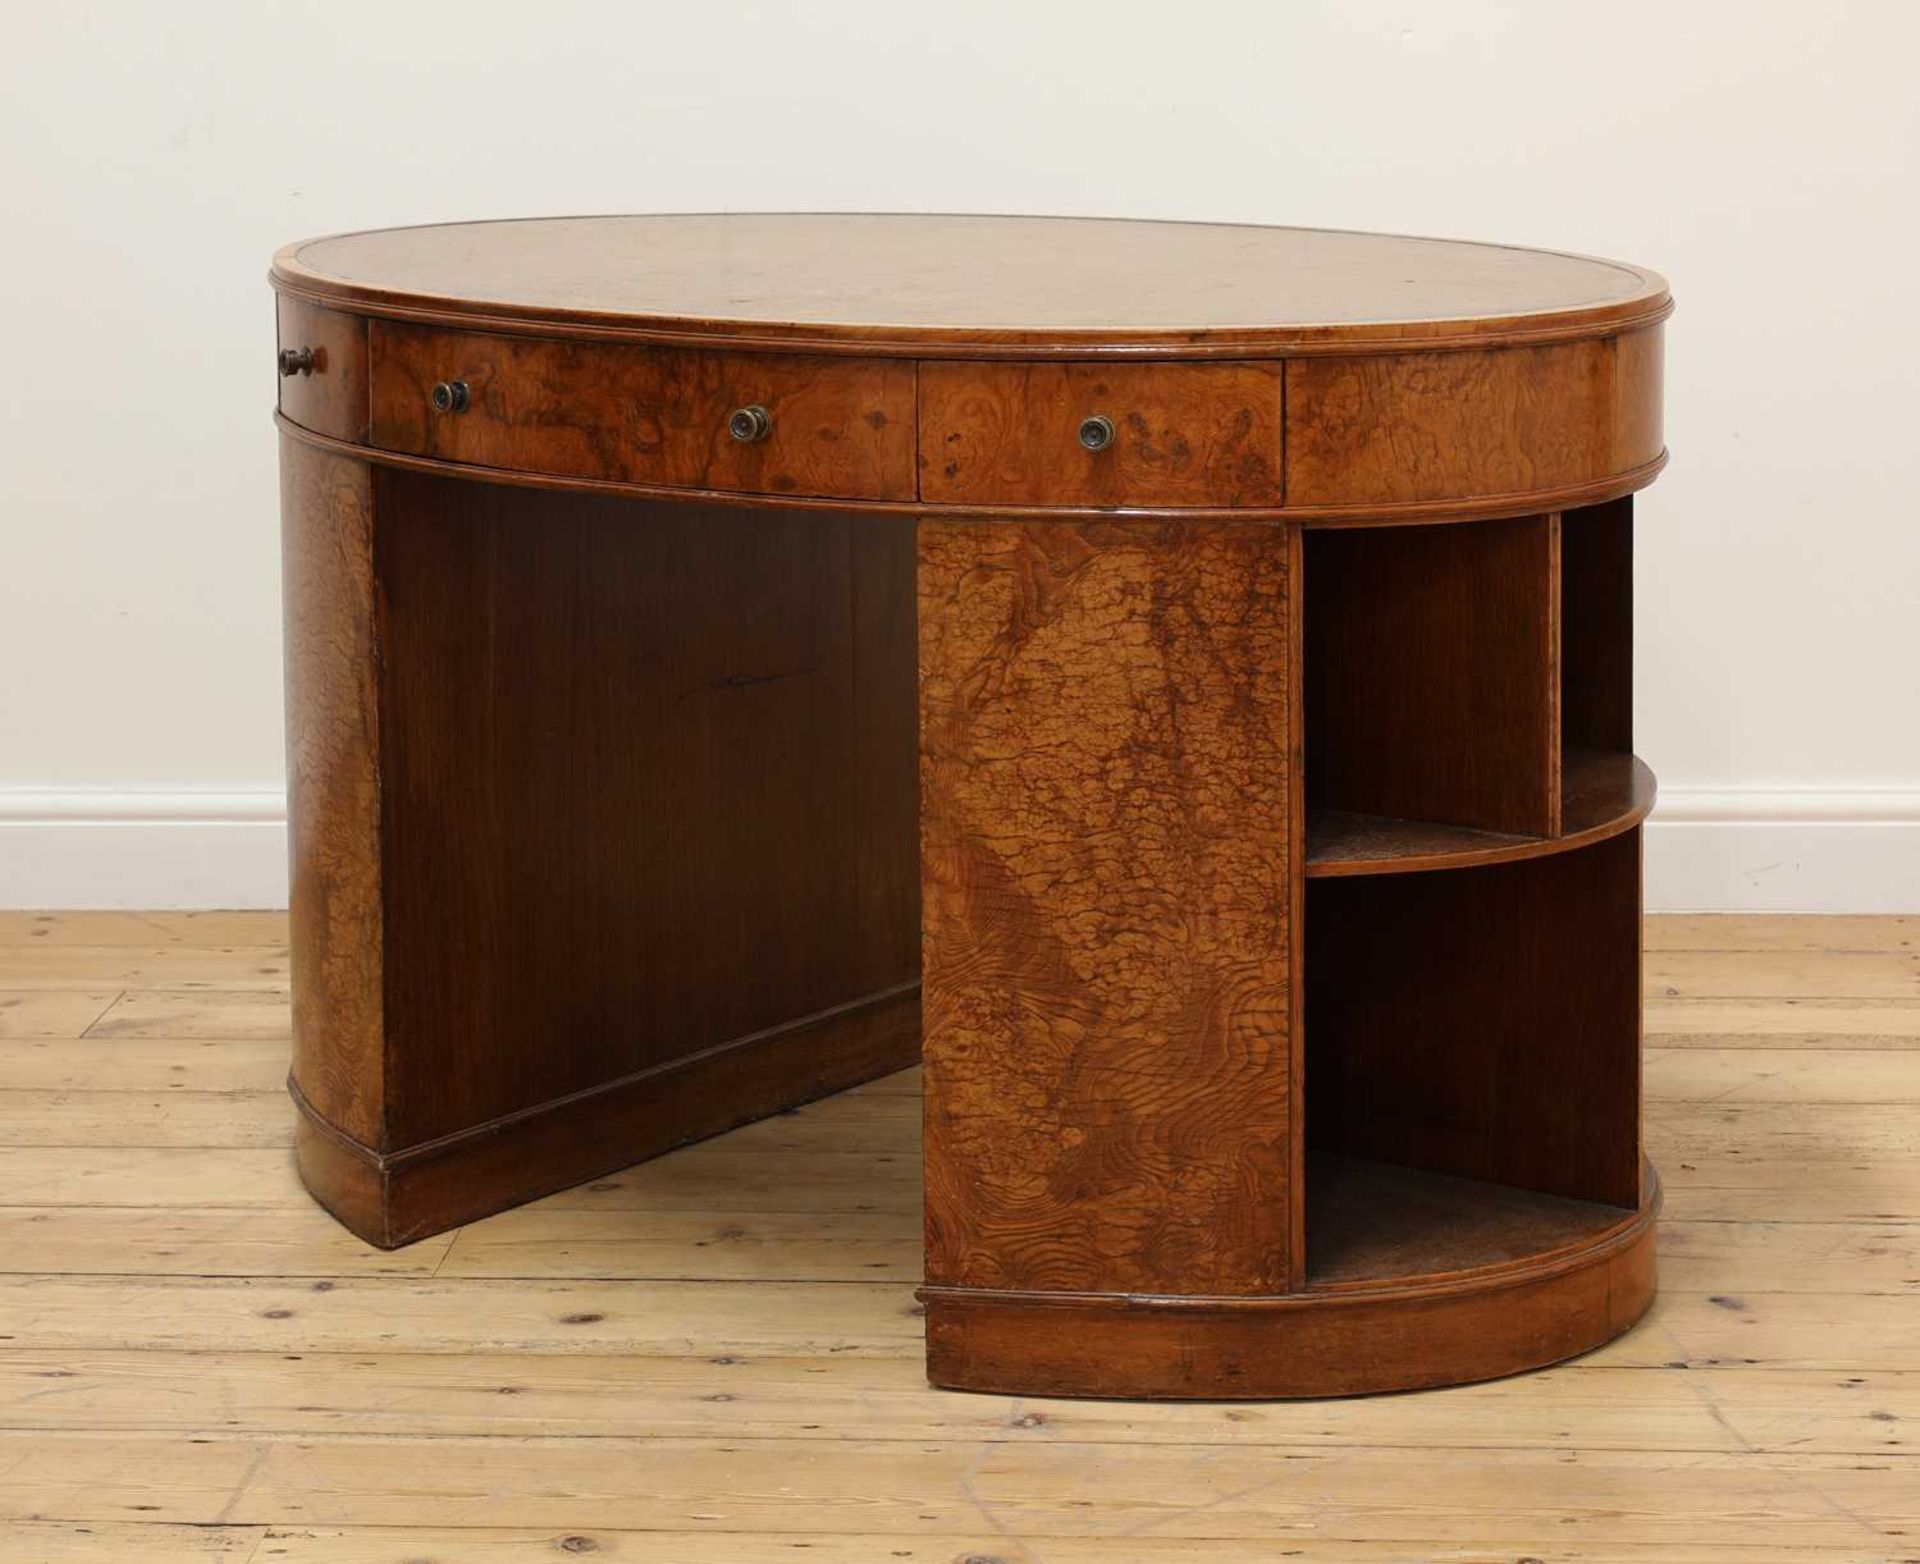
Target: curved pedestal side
point(1409, 1333)
point(537, 933)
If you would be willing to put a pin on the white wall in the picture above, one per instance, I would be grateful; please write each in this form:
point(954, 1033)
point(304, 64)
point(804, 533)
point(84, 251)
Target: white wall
point(1761, 153)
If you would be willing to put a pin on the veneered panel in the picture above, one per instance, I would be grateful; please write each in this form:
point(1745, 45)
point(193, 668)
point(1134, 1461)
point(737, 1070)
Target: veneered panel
point(333, 787)
point(838, 427)
point(1105, 861)
point(1433, 426)
point(1184, 434)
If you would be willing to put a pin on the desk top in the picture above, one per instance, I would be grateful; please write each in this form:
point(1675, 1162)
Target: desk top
point(967, 285)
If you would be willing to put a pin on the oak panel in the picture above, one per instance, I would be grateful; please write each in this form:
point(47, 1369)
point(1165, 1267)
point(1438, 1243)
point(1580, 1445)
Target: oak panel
point(1105, 860)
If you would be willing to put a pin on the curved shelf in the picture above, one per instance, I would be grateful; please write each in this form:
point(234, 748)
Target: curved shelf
point(1373, 1224)
point(1602, 795)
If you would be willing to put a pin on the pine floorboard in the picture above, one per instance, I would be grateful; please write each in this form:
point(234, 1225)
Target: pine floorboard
point(714, 1358)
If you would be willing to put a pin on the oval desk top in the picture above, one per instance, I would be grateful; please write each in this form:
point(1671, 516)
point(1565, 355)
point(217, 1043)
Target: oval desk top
point(964, 286)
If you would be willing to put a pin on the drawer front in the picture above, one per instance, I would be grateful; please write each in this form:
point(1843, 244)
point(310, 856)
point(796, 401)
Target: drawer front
point(834, 427)
point(1409, 428)
point(1181, 434)
point(323, 369)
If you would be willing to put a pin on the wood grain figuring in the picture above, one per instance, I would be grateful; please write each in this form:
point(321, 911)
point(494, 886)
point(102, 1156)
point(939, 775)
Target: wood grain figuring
point(1105, 862)
point(953, 285)
point(1482, 1022)
point(333, 788)
point(1184, 434)
point(331, 398)
point(1430, 674)
point(839, 428)
point(1430, 426)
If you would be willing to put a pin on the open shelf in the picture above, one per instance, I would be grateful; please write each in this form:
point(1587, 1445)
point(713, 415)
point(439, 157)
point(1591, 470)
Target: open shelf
point(1375, 1222)
point(1602, 794)
point(1428, 674)
point(1482, 1022)
point(1472, 1085)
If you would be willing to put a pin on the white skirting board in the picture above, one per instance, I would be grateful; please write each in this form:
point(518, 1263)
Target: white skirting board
point(147, 847)
point(1780, 850)
point(1744, 850)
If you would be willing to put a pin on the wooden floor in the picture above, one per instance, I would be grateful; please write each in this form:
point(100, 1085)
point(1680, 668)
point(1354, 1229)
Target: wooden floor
point(715, 1358)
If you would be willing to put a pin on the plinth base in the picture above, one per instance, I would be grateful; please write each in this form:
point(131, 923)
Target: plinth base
point(1513, 1281)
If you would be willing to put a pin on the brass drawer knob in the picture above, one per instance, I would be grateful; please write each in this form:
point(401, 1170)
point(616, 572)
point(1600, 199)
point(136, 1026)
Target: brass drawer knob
point(297, 361)
point(750, 423)
point(452, 396)
point(1096, 433)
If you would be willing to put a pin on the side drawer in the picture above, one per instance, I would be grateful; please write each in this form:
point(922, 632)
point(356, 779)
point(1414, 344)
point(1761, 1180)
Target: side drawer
point(1407, 428)
point(839, 428)
point(1181, 434)
point(323, 369)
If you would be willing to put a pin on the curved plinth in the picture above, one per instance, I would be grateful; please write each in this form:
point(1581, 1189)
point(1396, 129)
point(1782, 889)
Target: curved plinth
point(1445, 1326)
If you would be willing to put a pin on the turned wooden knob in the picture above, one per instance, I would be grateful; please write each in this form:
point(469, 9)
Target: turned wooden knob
point(750, 423)
point(296, 361)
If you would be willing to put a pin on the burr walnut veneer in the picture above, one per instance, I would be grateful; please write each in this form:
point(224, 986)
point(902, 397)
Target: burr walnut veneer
point(1182, 670)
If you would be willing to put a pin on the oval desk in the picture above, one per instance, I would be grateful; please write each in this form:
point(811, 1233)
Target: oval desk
point(1183, 669)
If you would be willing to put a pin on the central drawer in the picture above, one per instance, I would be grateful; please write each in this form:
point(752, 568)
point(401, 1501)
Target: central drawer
point(1171, 434)
point(756, 423)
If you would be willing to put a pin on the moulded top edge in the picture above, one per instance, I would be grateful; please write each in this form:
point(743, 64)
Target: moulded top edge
point(974, 285)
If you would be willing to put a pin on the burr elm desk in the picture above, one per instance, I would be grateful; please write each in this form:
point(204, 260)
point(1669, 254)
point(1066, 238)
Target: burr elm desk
point(1266, 870)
